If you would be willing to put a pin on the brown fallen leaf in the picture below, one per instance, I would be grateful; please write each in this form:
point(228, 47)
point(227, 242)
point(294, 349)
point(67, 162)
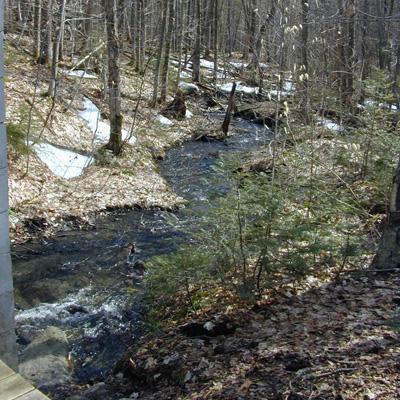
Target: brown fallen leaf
point(244, 389)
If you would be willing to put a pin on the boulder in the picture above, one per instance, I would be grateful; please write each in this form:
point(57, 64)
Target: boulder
point(188, 89)
point(45, 359)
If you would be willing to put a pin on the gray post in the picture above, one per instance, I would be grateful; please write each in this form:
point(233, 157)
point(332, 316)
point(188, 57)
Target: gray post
point(8, 349)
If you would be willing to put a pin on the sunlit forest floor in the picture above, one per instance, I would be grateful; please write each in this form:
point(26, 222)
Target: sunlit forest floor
point(320, 341)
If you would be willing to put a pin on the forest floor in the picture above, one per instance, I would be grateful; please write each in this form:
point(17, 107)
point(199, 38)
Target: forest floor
point(40, 201)
point(326, 341)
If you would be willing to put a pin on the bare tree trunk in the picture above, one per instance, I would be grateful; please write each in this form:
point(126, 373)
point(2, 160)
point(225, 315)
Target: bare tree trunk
point(228, 115)
point(388, 254)
point(113, 78)
point(396, 71)
point(164, 72)
point(8, 344)
point(49, 32)
point(206, 30)
point(216, 36)
point(364, 49)
point(197, 44)
point(37, 16)
point(142, 52)
point(57, 47)
point(160, 52)
point(180, 14)
point(305, 103)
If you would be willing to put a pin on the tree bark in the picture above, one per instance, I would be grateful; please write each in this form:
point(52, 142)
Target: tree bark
point(216, 37)
point(165, 66)
point(305, 102)
point(160, 52)
point(37, 16)
point(228, 115)
point(56, 52)
point(8, 349)
point(113, 78)
point(388, 254)
point(197, 44)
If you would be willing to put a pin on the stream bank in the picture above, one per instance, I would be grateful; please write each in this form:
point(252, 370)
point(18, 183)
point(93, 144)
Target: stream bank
point(81, 281)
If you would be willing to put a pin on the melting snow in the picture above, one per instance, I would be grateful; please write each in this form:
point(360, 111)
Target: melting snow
point(329, 124)
point(227, 87)
point(206, 64)
point(163, 120)
point(185, 74)
point(188, 86)
point(238, 64)
point(101, 129)
point(64, 163)
point(69, 164)
point(78, 73)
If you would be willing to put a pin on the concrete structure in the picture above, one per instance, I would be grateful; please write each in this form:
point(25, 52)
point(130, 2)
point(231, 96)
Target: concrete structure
point(8, 350)
point(13, 386)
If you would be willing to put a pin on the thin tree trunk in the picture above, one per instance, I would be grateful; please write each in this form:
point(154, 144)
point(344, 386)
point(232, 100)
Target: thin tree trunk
point(388, 254)
point(37, 15)
point(49, 34)
point(56, 53)
point(8, 344)
point(160, 52)
point(305, 103)
point(180, 42)
point(216, 18)
point(142, 52)
point(113, 78)
point(164, 72)
point(228, 114)
point(197, 44)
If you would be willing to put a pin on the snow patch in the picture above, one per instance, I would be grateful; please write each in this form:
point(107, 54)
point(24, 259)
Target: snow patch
point(188, 114)
point(237, 64)
point(101, 129)
point(63, 163)
point(329, 124)
point(164, 121)
point(206, 64)
point(79, 73)
point(227, 87)
point(185, 74)
point(189, 87)
point(288, 86)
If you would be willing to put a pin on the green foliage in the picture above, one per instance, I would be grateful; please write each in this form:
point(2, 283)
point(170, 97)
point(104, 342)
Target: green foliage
point(379, 86)
point(313, 218)
point(16, 134)
point(261, 235)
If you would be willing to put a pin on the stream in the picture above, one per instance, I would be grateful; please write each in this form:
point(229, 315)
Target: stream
point(80, 282)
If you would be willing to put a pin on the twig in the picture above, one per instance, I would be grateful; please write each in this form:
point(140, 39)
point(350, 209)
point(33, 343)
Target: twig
point(337, 371)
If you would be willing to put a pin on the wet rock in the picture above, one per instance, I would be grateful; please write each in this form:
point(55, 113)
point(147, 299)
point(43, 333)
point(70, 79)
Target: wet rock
point(209, 328)
point(139, 267)
point(294, 361)
point(177, 108)
point(75, 308)
point(45, 360)
point(188, 88)
point(295, 396)
point(98, 391)
point(26, 334)
point(209, 136)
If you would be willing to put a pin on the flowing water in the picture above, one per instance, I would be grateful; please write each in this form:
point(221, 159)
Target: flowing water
point(80, 280)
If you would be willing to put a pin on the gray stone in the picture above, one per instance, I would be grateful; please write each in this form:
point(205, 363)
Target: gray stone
point(45, 359)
